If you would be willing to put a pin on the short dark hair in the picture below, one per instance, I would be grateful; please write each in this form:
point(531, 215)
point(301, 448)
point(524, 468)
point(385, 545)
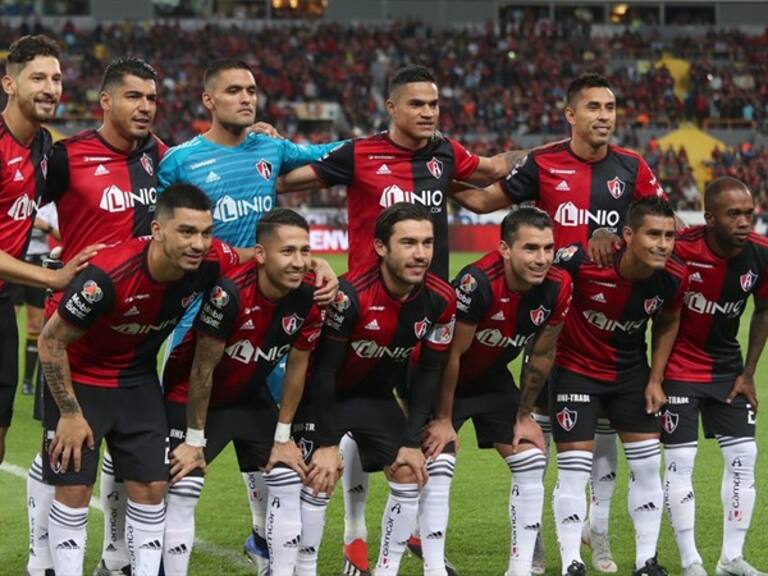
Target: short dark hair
point(27, 48)
point(586, 80)
point(218, 66)
point(398, 212)
point(131, 66)
point(523, 216)
point(409, 74)
point(647, 206)
point(181, 195)
point(273, 219)
point(720, 185)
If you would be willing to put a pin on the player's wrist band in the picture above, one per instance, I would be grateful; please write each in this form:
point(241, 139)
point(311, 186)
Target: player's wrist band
point(282, 432)
point(195, 437)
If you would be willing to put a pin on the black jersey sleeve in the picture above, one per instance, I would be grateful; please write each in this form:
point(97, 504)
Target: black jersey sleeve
point(322, 388)
point(422, 393)
point(218, 314)
point(57, 180)
point(338, 166)
point(473, 295)
point(522, 183)
point(570, 258)
point(342, 314)
point(90, 295)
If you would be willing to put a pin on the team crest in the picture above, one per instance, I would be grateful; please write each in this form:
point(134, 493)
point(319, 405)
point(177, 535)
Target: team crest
point(146, 163)
point(306, 447)
point(264, 168)
point(652, 304)
point(340, 301)
point(467, 283)
point(92, 292)
point(435, 167)
point(566, 253)
point(421, 328)
point(44, 167)
point(748, 280)
point(219, 297)
point(567, 419)
point(292, 323)
point(669, 421)
point(540, 314)
point(616, 187)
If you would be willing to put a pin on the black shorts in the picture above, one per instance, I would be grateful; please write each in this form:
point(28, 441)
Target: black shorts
point(131, 420)
point(493, 416)
point(577, 401)
point(377, 424)
point(30, 295)
point(680, 417)
point(250, 426)
point(9, 359)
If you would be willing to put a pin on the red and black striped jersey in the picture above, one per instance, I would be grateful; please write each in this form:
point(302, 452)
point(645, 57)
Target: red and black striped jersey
point(127, 315)
point(706, 348)
point(604, 333)
point(379, 173)
point(381, 331)
point(581, 196)
point(23, 171)
point(257, 331)
point(506, 320)
point(103, 195)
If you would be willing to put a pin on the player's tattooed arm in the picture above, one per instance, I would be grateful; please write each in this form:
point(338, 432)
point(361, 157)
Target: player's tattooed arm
point(536, 371)
point(758, 332)
point(208, 353)
point(479, 200)
point(663, 335)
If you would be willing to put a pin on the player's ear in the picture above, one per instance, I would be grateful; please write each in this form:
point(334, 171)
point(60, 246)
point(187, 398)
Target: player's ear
point(9, 86)
point(380, 248)
point(260, 254)
point(105, 99)
point(504, 249)
point(709, 218)
point(391, 106)
point(157, 230)
point(207, 100)
point(627, 233)
point(570, 114)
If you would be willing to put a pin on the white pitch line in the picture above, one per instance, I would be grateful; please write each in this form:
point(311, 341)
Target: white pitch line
point(201, 545)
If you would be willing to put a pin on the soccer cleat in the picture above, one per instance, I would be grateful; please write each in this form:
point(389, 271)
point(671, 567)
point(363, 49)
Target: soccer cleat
point(736, 567)
point(538, 566)
point(26, 388)
point(102, 570)
point(651, 568)
point(414, 545)
point(695, 569)
point(576, 569)
point(257, 552)
point(356, 559)
point(48, 572)
point(602, 559)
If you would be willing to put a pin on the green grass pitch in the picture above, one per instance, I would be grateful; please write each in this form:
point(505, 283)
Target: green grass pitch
point(478, 535)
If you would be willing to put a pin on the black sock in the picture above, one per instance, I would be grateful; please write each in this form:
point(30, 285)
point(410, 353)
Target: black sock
point(30, 359)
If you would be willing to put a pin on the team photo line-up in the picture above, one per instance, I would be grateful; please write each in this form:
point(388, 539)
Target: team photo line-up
point(317, 379)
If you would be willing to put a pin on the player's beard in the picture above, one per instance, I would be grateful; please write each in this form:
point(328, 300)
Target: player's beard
point(30, 111)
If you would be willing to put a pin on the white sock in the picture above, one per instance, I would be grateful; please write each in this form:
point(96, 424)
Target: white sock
point(526, 500)
point(354, 483)
point(39, 500)
point(67, 534)
point(679, 499)
point(434, 505)
point(313, 508)
point(283, 520)
point(545, 424)
point(144, 527)
point(737, 492)
point(399, 517)
point(604, 464)
point(645, 496)
point(180, 524)
point(258, 492)
point(569, 503)
point(112, 497)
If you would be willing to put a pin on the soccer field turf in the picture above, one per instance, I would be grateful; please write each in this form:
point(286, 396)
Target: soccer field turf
point(478, 534)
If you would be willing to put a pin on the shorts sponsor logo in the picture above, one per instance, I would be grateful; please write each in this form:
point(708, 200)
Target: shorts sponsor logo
point(567, 419)
point(92, 292)
point(582, 398)
point(616, 187)
point(539, 315)
point(435, 167)
point(570, 215)
point(264, 169)
point(468, 283)
point(147, 164)
point(747, 280)
point(669, 421)
point(652, 304)
point(421, 327)
point(292, 323)
point(219, 297)
point(677, 400)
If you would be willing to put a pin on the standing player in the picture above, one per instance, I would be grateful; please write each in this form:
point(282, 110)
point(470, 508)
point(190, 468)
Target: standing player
point(250, 318)
point(104, 184)
point(106, 385)
point(585, 184)
point(601, 365)
point(238, 169)
point(380, 315)
point(705, 373)
point(508, 298)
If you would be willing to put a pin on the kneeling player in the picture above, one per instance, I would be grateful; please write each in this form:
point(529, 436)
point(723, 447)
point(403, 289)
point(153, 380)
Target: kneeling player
point(380, 314)
point(105, 384)
point(601, 364)
point(250, 319)
point(506, 299)
point(705, 373)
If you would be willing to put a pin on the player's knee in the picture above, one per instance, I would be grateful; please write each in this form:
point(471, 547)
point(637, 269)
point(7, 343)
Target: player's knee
point(741, 457)
point(146, 492)
point(73, 496)
point(402, 475)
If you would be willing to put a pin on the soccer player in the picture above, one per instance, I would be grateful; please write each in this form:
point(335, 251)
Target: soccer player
point(705, 373)
point(104, 184)
point(98, 353)
point(586, 185)
point(380, 314)
point(508, 298)
point(238, 169)
point(601, 365)
point(251, 317)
